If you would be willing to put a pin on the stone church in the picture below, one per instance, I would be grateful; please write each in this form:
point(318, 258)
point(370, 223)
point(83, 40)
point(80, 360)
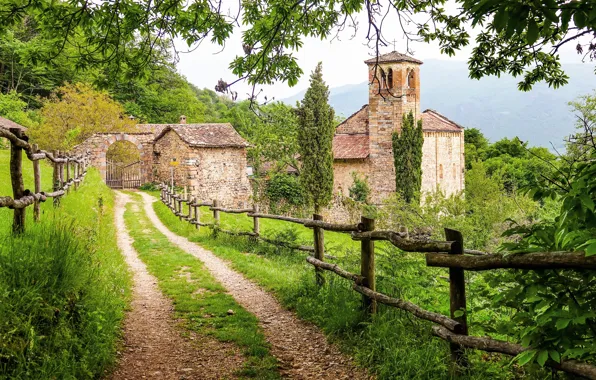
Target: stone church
point(362, 143)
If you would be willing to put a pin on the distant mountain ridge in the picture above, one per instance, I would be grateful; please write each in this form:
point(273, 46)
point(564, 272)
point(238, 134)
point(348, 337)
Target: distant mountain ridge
point(493, 105)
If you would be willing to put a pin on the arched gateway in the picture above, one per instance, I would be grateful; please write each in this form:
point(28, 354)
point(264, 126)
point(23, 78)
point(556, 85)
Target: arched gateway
point(99, 143)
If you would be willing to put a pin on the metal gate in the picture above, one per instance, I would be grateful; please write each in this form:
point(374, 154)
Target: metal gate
point(120, 176)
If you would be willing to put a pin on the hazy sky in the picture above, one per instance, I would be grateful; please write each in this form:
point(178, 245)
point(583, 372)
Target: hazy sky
point(342, 60)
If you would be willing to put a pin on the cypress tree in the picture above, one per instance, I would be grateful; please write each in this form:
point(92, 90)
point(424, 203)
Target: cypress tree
point(315, 139)
point(407, 158)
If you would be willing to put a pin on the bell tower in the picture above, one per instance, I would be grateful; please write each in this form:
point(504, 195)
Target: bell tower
point(393, 90)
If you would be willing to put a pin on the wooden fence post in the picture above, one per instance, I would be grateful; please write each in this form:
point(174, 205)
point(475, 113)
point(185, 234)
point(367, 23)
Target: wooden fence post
point(76, 174)
point(255, 220)
point(197, 213)
point(457, 295)
point(216, 213)
point(37, 183)
point(189, 202)
point(67, 176)
point(16, 178)
point(61, 172)
point(367, 266)
point(56, 179)
point(319, 240)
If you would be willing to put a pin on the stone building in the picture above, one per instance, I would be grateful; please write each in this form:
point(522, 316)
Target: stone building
point(362, 143)
point(208, 158)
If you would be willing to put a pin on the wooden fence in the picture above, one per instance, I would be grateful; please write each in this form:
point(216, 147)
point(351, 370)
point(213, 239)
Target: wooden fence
point(449, 254)
point(69, 171)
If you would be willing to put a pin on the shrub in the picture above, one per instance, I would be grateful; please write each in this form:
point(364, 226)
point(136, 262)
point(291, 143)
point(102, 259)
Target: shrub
point(283, 189)
point(360, 189)
point(149, 186)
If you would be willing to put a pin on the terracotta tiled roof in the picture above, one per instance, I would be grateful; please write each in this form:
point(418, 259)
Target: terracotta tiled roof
point(8, 124)
point(156, 129)
point(432, 121)
point(393, 57)
point(216, 135)
point(347, 147)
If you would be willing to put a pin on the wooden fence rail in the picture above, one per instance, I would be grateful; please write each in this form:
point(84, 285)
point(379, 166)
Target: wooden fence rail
point(449, 254)
point(23, 198)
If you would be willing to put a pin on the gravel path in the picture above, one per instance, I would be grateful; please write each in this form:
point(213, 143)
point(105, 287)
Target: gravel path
point(154, 347)
point(301, 348)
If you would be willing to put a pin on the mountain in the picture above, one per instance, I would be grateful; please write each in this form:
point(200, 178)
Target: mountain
point(493, 105)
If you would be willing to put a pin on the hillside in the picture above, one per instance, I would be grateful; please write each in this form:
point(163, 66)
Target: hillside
point(494, 105)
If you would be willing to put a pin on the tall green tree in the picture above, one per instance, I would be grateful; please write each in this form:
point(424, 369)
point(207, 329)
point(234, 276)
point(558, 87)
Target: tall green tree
point(315, 139)
point(407, 158)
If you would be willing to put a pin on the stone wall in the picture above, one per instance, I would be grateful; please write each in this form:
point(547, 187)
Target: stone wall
point(99, 143)
point(355, 124)
point(443, 162)
point(209, 173)
point(386, 109)
point(342, 174)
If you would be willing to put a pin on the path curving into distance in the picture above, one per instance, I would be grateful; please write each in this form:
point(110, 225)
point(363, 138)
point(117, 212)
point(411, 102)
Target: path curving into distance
point(300, 347)
point(153, 345)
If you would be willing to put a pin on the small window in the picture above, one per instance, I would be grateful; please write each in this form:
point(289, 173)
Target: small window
point(390, 78)
point(383, 79)
point(441, 171)
point(454, 171)
point(411, 79)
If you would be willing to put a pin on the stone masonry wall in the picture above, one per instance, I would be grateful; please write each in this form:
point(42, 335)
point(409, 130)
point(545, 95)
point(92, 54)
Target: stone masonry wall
point(221, 174)
point(167, 149)
point(342, 174)
point(355, 124)
point(386, 108)
point(443, 162)
point(209, 173)
point(99, 143)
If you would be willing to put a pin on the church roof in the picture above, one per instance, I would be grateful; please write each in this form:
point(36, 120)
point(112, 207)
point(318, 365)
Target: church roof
point(432, 121)
point(354, 146)
point(394, 56)
point(213, 135)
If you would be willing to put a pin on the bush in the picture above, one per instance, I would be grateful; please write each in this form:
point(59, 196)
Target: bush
point(284, 190)
point(149, 186)
point(360, 189)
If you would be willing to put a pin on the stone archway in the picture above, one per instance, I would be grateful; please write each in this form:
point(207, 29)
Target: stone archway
point(99, 143)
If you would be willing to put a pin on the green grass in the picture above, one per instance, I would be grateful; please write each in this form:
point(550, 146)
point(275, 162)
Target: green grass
point(393, 345)
point(202, 302)
point(64, 287)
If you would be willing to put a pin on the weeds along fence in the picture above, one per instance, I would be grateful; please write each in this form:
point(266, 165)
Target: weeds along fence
point(448, 254)
point(68, 172)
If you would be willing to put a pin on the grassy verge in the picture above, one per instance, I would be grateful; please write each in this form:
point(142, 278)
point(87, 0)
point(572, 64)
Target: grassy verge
point(6, 187)
point(64, 287)
point(393, 344)
point(198, 298)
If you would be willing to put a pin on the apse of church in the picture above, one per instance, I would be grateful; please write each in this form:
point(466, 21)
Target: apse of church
point(362, 143)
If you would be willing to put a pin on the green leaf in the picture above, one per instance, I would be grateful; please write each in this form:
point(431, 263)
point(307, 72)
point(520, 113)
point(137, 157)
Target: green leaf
point(579, 19)
point(555, 355)
point(458, 313)
point(500, 20)
point(525, 357)
point(532, 34)
point(542, 357)
point(562, 323)
point(587, 201)
point(590, 250)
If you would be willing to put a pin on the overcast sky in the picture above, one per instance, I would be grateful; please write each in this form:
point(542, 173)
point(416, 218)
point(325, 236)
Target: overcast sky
point(342, 60)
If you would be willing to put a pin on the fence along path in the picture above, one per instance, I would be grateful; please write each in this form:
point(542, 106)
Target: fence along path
point(447, 254)
point(75, 167)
